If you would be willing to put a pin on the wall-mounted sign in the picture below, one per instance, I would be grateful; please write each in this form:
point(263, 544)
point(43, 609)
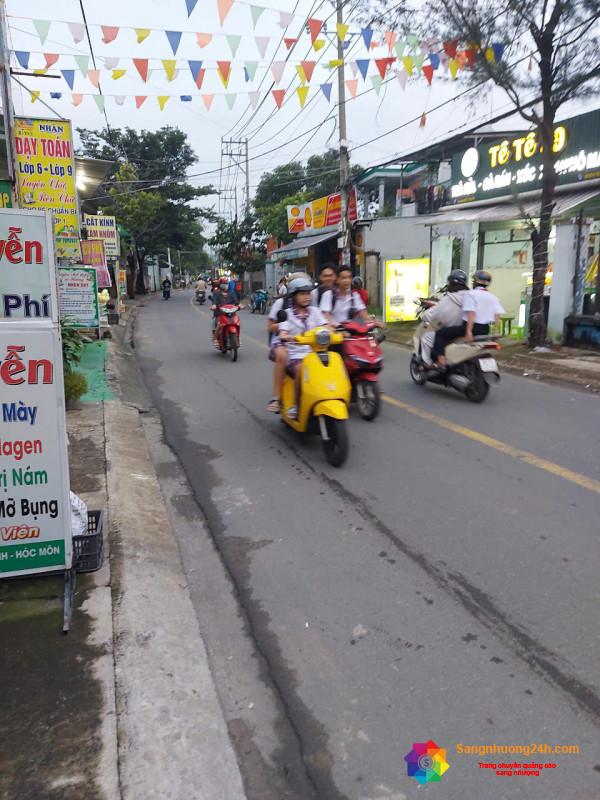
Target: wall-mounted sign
point(78, 296)
point(27, 288)
point(46, 175)
point(512, 165)
point(406, 280)
point(320, 213)
point(5, 195)
point(92, 255)
point(103, 226)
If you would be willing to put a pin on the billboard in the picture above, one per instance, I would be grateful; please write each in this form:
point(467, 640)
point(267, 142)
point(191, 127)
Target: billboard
point(406, 280)
point(46, 176)
point(320, 213)
point(104, 227)
point(78, 296)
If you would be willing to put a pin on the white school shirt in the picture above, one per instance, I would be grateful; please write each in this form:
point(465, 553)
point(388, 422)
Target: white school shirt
point(343, 304)
point(294, 325)
point(485, 305)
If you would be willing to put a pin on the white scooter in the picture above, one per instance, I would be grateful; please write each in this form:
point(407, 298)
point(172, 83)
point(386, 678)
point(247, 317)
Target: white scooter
point(470, 368)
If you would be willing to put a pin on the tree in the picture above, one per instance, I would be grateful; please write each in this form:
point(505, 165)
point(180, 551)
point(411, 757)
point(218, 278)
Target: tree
point(561, 39)
point(240, 244)
point(281, 182)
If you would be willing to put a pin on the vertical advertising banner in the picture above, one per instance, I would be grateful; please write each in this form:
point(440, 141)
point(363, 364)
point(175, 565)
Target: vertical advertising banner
point(406, 280)
point(92, 255)
point(78, 296)
point(46, 175)
point(35, 522)
point(104, 227)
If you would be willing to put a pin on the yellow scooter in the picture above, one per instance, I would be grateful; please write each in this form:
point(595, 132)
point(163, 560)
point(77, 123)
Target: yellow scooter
point(324, 394)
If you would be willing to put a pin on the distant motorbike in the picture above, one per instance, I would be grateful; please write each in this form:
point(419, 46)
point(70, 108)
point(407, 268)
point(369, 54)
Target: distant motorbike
point(258, 301)
point(200, 296)
point(227, 332)
point(166, 292)
point(363, 359)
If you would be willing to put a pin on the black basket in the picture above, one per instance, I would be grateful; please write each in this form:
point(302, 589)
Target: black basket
point(88, 549)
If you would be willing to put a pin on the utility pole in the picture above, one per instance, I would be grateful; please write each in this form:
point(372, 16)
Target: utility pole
point(7, 105)
point(234, 156)
point(344, 160)
point(247, 207)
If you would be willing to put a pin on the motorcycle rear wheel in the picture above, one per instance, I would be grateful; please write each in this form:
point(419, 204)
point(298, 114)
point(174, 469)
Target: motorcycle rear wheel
point(478, 388)
point(368, 405)
point(336, 447)
point(233, 347)
point(415, 373)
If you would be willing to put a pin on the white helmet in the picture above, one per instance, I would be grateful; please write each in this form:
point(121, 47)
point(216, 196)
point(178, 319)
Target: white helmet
point(299, 285)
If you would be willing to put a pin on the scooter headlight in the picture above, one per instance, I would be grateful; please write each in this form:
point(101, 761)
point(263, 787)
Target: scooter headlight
point(323, 338)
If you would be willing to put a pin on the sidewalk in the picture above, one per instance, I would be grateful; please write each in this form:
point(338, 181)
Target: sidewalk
point(124, 707)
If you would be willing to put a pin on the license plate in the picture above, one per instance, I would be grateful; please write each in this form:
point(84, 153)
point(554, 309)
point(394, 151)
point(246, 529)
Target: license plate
point(488, 365)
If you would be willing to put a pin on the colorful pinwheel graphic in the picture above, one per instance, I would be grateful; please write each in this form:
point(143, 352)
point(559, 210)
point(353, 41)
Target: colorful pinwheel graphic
point(426, 762)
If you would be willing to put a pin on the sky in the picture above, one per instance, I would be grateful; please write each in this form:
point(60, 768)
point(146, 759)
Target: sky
point(275, 136)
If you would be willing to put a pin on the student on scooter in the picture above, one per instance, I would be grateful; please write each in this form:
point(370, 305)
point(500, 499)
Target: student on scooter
point(301, 317)
point(327, 276)
point(222, 297)
point(481, 309)
point(447, 313)
point(342, 304)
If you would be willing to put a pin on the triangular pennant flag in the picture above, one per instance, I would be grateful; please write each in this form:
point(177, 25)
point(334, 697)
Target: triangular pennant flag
point(22, 57)
point(423, 120)
point(453, 65)
point(402, 78)
point(207, 99)
point(489, 54)
point(471, 55)
point(408, 64)
point(94, 77)
point(56, 95)
point(354, 69)
point(34, 94)
point(162, 100)
point(224, 71)
point(278, 95)
point(118, 73)
point(203, 39)
point(42, 27)
point(277, 68)
point(51, 58)
point(301, 73)
point(363, 66)
point(38, 71)
point(428, 72)
point(367, 35)
point(169, 66)
point(412, 40)
point(400, 48)
point(335, 62)
point(140, 99)
point(434, 60)
point(326, 89)
point(250, 67)
point(234, 43)
point(76, 99)
point(374, 45)
point(190, 5)
point(77, 31)
point(141, 64)
point(498, 49)
point(224, 7)
point(418, 60)
point(451, 47)
point(390, 39)
point(383, 64)
point(69, 76)
point(285, 19)
point(262, 42)
point(289, 43)
point(99, 99)
point(253, 97)
point(120, 99)
point(230, 100)
point(109, 33)
point(302, 94)
point(195, 69)
point(111, 62)
point(342, 30)
point(462, 59)
point(185, 98)
point(142, 34)
point(319, 44)
point(174, 38)
point(256, 12)
point(314, 26)
point(352, 87)
point(83, 64)
point(377, 82)
point(309, 68)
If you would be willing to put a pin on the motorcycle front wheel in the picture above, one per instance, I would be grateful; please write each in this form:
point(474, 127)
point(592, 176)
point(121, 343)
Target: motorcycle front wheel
point(336, 446)
point(233, 347)
point(367, 399)
point(415, 373)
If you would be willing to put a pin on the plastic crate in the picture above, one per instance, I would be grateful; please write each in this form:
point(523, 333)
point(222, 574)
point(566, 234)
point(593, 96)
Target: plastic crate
point(88, 549)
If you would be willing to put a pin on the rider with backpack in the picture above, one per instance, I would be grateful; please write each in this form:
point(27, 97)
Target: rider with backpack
point(342, 303)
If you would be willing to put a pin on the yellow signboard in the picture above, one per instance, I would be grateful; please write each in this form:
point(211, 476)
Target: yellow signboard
point(46, 175)
point(406, 280)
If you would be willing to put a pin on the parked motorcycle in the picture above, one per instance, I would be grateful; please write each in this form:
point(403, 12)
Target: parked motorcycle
point(363, 358)
point(258, 301)
point(324, 395)
point(200, 296)
point(227, 332)
point(470, 366)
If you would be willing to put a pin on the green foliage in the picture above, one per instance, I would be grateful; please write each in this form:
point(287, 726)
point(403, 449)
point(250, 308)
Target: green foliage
point(240, 244)
point(273, 219)
point(75, 386)
point(73, 343)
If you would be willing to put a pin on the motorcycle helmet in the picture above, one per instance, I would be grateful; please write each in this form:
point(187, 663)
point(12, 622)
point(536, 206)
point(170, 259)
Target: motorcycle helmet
point(482, 278)
point(457, 280)
point(357, 282)
point(299, 285)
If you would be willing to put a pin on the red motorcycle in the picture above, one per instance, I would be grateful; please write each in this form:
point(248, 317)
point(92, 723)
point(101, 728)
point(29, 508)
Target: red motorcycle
point(363, 358)
point(227, 332)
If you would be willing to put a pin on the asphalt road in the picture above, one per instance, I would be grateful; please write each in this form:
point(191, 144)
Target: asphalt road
point(442, 585)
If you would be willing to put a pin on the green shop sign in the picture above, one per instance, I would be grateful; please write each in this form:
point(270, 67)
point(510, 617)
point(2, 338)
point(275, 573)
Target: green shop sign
point(511, 166)
point(5, 195)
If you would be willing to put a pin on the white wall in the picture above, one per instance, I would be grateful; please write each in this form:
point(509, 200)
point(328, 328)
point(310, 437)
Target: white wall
point(561, 295)
point(397, 237)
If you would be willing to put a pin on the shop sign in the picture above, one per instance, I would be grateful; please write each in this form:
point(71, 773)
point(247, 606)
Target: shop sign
point(92, 255)
point(5, 195)
point(320, 213)
point(46, 175)
point(34, 470)
point(513, 165)
point(27, 288)
point(104, 227)
point(78, 296)
point(406, 280)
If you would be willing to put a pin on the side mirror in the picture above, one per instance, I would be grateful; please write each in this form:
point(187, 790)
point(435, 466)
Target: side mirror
point(282, 315)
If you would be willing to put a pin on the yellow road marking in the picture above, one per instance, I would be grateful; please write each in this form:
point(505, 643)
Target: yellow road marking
point(481, 438)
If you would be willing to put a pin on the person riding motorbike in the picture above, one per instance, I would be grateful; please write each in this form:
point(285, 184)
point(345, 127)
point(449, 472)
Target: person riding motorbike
point(200, 284)
point(301, 317)
point(327, 276)
point(446, 313)
point(342, 303)
point(222, 297)
point(480, 310)
point(357, 286)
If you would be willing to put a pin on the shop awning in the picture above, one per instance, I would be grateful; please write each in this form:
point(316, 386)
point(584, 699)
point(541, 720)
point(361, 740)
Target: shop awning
point(299, 247)
point(563, 204)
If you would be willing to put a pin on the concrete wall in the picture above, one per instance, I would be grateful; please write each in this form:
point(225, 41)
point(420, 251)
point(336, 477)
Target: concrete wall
point(561, 295)
point(397, 237)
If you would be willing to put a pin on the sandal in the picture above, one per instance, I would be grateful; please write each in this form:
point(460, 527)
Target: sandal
point(274, 406)
point(292, 413)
